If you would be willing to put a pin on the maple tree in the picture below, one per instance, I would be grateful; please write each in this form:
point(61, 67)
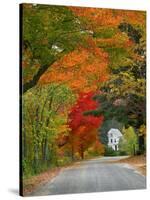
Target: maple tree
point(103, 26)
point(83, 69)
point(97, 17)
point(123, 97)
point(48, 33)
point(83, 128)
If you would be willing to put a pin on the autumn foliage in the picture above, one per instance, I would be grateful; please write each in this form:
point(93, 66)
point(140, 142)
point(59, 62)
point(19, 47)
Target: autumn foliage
point(69, 55)
point(96, 17)
point(82, 69)
point(83, 128)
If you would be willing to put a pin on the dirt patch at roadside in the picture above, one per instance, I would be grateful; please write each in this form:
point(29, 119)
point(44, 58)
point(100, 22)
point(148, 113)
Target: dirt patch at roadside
point(30, 184)
point(138, 162)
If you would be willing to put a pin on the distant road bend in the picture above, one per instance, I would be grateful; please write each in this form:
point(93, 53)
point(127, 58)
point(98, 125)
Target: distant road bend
point(95, 175)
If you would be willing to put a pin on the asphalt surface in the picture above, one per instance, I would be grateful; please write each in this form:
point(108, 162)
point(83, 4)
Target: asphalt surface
point(96, 175)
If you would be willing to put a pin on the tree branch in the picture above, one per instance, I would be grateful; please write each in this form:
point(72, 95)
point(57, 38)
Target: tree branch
point(36, 77)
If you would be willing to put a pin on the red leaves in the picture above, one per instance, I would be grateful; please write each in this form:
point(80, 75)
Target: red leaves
point(84, 128)
point(77, 117)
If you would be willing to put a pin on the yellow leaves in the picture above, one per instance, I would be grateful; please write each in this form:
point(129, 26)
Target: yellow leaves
point(118, 40)
point(133, 116)
point(142, 130)
point(64, 129)
point(44, 41)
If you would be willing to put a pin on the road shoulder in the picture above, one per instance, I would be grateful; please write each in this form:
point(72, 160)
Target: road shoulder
point(137, 162)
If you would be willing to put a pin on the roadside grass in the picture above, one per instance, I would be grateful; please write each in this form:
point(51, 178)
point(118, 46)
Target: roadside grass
point(32, 182)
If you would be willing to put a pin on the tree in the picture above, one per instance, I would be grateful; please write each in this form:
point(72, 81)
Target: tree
point(123, 98)
point(83, 128)
point(103, 25)
point(83, 69)
point(49, 32)
point(45, 118)
point(129, 142)
point(95, 18)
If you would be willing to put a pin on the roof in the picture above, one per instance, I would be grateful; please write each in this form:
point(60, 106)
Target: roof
point(115, 132)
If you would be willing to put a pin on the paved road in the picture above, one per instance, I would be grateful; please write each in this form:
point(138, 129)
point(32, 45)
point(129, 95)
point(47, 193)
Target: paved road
point(96, 175)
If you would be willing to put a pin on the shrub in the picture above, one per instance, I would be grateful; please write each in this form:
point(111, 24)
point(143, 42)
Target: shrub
point(110, 152)
point(129, 142)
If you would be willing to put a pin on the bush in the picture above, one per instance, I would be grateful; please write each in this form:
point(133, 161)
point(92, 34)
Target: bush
point(64, 161)
point(122, 153)
point(110, 152)
point(129, 142)
point(27, 168)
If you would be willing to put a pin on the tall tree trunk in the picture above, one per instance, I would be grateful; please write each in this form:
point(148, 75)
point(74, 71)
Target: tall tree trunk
point(141, 143)
point(82, 152)
point(72, 152)
point(35, 158)
point(72, 148)
point(45, 149)
point(36, 145)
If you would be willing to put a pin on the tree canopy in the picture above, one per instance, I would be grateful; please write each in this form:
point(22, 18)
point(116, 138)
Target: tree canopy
point(49, 32)
point(83, 73)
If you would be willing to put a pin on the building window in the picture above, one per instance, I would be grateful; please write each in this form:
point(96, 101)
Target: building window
point(111, 140)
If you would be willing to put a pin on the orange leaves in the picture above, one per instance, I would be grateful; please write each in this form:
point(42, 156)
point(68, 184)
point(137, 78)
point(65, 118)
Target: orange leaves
point(81, 69)
point(107, 17)
point(98, 148)
point(128, 43)
point(97, 17)
point(81, 130)
point(78, 56)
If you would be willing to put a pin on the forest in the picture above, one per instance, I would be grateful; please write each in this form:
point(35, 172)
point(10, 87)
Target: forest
point(83, 73)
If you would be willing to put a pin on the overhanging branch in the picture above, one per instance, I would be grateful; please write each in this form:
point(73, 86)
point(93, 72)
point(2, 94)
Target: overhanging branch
point(36, 77)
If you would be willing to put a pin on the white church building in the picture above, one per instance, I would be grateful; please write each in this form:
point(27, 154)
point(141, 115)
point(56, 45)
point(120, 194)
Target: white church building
point(114, 136)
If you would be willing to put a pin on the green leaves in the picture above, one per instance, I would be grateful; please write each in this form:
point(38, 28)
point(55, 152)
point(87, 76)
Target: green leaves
point(46, 26)
point(45, 118)
point(105, 32)
point(129, 142)
point(118, 57)
point(49, 32)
